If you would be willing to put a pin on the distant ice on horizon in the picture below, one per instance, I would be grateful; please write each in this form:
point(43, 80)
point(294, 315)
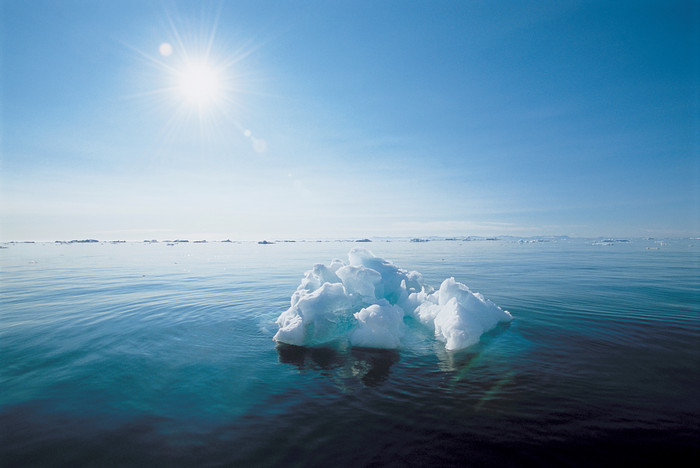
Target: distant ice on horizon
point(367, 299)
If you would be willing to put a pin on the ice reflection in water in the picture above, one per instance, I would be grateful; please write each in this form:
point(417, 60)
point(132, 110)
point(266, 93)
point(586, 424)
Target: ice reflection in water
point(369, 366)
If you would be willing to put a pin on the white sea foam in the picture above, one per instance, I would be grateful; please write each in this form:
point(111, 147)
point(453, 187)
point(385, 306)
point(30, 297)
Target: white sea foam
point(366, 300)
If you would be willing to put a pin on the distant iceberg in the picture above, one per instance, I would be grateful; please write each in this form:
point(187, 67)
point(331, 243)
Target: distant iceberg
point(366, 300)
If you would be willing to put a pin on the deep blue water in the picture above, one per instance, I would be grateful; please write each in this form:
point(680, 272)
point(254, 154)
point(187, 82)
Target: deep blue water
point(154, 355)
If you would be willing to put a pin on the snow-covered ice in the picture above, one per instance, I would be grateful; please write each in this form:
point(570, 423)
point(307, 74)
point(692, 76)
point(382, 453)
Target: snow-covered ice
point(366, 300)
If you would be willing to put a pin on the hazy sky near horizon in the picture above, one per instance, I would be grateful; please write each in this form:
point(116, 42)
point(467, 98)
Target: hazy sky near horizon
point(314, 119)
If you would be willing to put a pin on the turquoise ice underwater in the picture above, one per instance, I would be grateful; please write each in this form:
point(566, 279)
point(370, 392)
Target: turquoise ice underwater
point(134, 354)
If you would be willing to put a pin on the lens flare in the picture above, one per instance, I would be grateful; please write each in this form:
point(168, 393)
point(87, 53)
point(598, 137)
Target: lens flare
point(165, 49)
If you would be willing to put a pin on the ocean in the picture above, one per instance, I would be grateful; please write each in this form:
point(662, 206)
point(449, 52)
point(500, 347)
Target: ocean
point(149, 354)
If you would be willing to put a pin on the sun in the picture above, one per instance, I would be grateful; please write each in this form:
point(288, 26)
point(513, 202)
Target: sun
point(199, 83)
point(199, 80)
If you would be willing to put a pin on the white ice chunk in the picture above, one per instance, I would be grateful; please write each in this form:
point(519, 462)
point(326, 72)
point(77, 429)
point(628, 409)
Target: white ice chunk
point(316, 317)
point(378, 326)
point(360, 280)
point(395, 281)
point(319, 274)
point(366, 301)
point(461, 316)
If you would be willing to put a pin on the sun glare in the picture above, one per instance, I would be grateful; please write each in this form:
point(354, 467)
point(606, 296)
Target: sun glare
point(198, 80)
point(199, 83)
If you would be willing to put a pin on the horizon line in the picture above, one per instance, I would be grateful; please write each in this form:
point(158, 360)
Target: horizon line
point(262, 240)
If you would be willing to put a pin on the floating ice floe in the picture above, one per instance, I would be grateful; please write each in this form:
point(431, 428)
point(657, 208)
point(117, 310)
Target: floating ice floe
point(366, 300)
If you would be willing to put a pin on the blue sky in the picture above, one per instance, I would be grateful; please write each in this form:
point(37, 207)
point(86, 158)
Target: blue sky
point(350, 119)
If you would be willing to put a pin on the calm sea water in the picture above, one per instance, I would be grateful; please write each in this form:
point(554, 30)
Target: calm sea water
point(156, 355)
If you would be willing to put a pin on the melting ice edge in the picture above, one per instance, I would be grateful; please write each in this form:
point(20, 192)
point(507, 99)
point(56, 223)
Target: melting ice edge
point(366, 300)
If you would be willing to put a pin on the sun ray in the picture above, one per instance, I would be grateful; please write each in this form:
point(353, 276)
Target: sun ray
point(199, 81)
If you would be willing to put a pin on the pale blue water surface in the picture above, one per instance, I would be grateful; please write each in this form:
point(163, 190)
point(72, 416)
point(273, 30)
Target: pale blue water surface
point(142, 354)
